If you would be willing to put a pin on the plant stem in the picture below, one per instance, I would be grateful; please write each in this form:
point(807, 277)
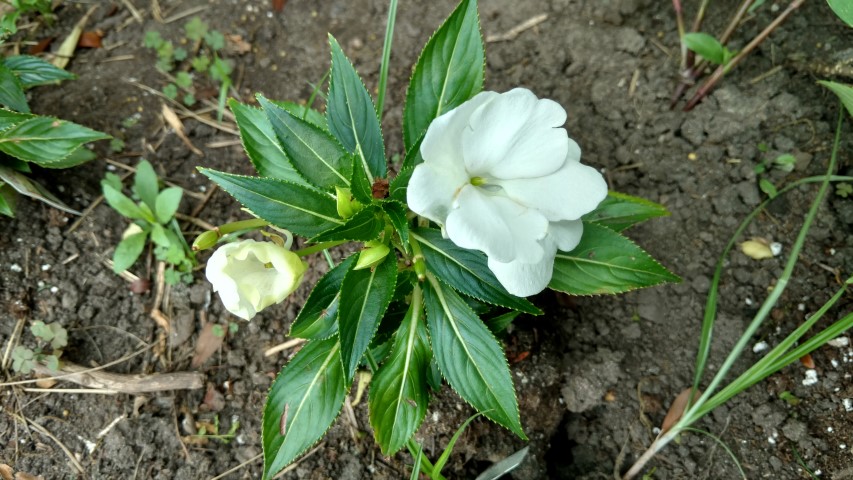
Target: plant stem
point(723, 69)
point(302, 252)
point(735, 22)
point(679, 21)
point(386, 57)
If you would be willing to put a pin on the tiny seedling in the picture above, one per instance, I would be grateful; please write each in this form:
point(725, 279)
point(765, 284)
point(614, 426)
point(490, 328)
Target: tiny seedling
point(9, 21)
point(209, 430)
point(153, 217)
point(784, 163)
point(52, 338)
point(202, 58)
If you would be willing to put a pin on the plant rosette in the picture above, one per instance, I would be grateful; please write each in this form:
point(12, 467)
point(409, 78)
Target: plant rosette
point(491, 204)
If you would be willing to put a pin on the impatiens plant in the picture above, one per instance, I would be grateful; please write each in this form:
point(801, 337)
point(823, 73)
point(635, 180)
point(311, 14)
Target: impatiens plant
point(491, 205)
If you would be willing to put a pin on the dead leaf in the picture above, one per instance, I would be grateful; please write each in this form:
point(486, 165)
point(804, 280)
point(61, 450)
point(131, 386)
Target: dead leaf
point(172, 119)
point(47, 382)
point(278, 5)
point(807, 361)
point(66, 50)
point(5, 471)
point(91, 39)
point(213, 401)
point(40, 47)
point(677, 409)
point(757, 248)
point(206, 345)
point(237, 45)
point(282, 423)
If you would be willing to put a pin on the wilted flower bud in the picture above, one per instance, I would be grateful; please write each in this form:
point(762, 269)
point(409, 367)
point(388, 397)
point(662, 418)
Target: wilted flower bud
point(250, 276)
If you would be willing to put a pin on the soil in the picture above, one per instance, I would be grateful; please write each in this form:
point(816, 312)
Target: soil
point(593, 375)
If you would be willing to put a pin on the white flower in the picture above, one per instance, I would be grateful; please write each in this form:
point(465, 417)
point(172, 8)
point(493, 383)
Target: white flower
point(250, 276)
point(501, 175)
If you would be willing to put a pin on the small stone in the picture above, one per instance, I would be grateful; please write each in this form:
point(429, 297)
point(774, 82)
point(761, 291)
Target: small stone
point(811, 377)
point(16, 268)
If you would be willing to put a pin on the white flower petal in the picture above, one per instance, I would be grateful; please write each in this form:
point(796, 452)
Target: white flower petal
point(443, 140)
point(432, 189)
point(524, 279)
point(497, 226)
point(250, 276)
point(566, 234)
point(567, 194)
point(516, 135)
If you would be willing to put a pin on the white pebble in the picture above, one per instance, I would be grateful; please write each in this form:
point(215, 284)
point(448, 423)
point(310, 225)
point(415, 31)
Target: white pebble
point(16, 268)
point(848, 404)
point(45, 267)
point(760, 347)
point(834, 363)
point(54, 289)
point(829, 429)
point(842, 446)
point(776, 248)
point(811, 377)
point(748, 302)
point(801, 307)
point(839, 342)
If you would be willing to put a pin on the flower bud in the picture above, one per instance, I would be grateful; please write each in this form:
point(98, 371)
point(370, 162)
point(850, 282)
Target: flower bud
point(372, 255)
point(347, 206)
point(250, 276)
point(206, 240)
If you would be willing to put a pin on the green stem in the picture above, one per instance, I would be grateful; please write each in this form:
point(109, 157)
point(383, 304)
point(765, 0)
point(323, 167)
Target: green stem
point(303, 252)
point(315, 92)
point(250, 224)
point(693, 413)
point(386, 57)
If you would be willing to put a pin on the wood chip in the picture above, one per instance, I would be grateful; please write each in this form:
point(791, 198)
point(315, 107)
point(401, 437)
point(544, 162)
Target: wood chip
point(207, 344)
point(126, 383)
point(172, 119)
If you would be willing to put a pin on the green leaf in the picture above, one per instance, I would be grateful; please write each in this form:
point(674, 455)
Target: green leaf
point(767, 187)
point(449, 71)
point(44, 140)
point(41, 330)
point(215, 40)
point(122, 203)
point(470, 358)
point(365, 295)
point(399, 393)
point(29, 188)
point(413, 158)
point(705, 46)
point(159, 236)
point(195, 29)
point(499, 324)
point(363, 226)
point(12, 91)
point(152, 39)
point(360, 186)
point(183, 79)
point(309, 392)
point(844, 92)
point(33, 71)
point(400, 185)
point(396, 212)
point(619, 211)
point(466, 270)
point(170, 91)
point(300, 209)
point(305, 113)
point(605, 262)
point(352, 116)
point(318, 318)
point(145, 184)
point(314, 153)
point(8, 200)
point(128, 250)
point(78, 156)
point(844, 10)
point(167, 204)
point(9, 118)
point(261, 145)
